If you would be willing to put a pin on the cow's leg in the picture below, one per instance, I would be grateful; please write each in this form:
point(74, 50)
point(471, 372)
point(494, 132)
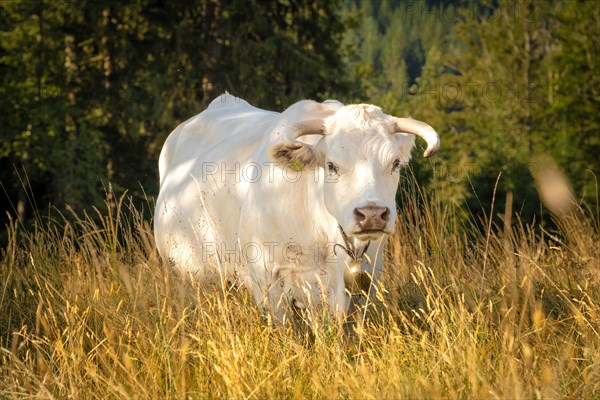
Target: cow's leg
point(267, 293)
point(338, 297)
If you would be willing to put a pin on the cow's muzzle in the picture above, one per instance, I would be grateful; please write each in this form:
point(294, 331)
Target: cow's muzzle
point(371, 219)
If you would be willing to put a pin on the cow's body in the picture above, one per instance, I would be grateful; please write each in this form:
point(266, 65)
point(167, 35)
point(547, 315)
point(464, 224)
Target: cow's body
point(232, 204)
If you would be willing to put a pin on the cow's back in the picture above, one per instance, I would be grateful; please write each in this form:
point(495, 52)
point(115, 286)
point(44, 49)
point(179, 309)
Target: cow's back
point(228, 122)
point(200, 165)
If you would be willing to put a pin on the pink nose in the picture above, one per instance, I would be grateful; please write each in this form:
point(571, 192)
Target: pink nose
point(372, 218)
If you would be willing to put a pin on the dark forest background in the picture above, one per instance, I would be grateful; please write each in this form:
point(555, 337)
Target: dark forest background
point(90, 90)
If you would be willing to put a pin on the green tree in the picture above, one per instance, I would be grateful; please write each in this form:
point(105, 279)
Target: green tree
point(91, 90)
point(503, 82)
point(572, 92)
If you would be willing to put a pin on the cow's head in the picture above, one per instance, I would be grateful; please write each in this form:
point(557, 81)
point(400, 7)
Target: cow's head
point(361, 152)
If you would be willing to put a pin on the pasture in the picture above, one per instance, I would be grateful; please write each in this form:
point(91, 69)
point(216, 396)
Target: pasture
point(88, 311)
point(491, 279)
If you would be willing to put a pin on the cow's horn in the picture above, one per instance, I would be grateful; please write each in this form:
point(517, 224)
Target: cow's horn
point(308, 127)
point(416, 127)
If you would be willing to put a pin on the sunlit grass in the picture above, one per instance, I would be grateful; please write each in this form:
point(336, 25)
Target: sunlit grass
point(88, 311)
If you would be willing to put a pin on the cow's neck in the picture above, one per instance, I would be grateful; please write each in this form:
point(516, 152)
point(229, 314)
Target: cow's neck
point(355, 251)
point(310, 219)
point(300, 210)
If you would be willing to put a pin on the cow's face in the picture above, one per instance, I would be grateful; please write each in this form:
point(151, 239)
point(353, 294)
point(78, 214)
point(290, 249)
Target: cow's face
point(361, 152)
point(361, 158)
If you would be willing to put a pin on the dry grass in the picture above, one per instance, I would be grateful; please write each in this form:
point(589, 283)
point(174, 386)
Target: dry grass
point(87, 311)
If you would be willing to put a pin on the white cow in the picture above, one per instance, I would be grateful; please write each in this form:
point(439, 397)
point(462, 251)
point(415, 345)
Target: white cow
point(297, 205)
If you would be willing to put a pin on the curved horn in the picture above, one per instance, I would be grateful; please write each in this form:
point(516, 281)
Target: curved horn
point(418, 128)
point(308, 127)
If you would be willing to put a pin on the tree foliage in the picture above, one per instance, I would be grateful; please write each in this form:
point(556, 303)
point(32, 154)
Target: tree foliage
point(92, 89)
point(505, 83)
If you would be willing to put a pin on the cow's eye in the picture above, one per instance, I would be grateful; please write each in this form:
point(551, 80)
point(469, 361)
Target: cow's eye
point(331, 168)
point(396, 165)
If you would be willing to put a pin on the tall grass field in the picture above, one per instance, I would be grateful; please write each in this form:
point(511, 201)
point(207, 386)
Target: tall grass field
point(485, 309)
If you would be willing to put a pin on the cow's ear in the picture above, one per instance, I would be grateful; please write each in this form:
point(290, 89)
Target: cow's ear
point(404, 143)
point(297, 156)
